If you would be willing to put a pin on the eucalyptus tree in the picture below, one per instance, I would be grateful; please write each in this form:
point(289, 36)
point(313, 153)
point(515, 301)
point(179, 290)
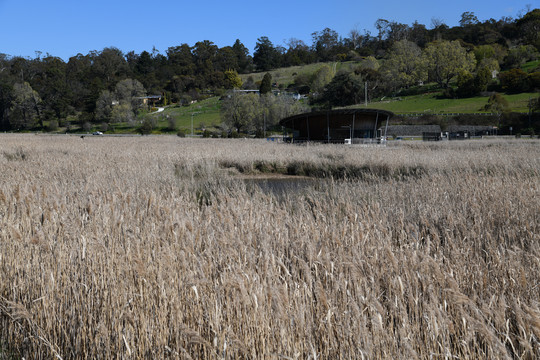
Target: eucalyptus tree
point(445, 60)
point(239, 110)
point(404, 65)
point(24, 111)
point(326, 44)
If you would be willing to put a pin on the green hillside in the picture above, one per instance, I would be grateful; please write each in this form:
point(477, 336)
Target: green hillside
point(205, 114)
point(430, 104)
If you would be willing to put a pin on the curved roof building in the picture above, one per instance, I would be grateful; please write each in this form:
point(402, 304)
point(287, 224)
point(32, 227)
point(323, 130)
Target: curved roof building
point(336, 126)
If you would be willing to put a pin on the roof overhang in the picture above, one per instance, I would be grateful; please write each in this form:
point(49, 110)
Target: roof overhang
point(289, 121)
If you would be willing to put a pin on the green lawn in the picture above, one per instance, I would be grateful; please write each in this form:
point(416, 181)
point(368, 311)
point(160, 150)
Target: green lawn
point(430, 104)
point(531, 66)
point(205, 113)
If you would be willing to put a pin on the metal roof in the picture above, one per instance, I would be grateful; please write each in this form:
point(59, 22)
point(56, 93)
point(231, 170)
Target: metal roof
point(330, 113)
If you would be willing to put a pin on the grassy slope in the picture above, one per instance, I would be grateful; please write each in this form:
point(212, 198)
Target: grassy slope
point(205, 114)
point(285, 76)
point(429, 103)
point(531, 66)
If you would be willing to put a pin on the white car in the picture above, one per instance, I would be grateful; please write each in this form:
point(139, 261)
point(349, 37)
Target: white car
point(97, 133)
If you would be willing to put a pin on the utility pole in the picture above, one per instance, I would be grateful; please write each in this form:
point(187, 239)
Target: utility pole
point(194, 113)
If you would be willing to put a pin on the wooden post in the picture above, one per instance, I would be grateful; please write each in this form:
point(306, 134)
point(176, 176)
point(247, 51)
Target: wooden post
point(386, 128)
point(328, 126)
point(376, 122)
point(307, 123)
point(352, 129)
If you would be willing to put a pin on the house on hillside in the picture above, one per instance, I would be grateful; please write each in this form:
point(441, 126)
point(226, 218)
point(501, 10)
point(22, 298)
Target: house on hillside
point(150, 99)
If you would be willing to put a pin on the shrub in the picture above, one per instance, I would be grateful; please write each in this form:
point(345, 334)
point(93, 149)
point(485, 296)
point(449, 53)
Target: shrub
point(534, 80)
point(146, 127)
point(171, 123)
point(53, 125)
point(86, 126)
point(514, 81)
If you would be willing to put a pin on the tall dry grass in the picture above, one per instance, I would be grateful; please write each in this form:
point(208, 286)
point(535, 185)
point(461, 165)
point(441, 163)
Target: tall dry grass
point(155, 248)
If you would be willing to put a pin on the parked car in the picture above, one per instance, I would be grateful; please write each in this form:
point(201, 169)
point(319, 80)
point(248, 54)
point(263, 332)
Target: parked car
point(97, 133)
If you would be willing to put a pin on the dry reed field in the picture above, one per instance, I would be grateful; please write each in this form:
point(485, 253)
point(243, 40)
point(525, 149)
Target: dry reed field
point(156, 247)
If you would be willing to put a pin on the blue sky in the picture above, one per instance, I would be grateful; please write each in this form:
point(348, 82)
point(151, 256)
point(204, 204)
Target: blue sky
point(65, 28)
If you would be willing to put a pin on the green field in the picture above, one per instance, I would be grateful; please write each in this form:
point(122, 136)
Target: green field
point(531, 66)
point(431, 104)
point(205, 114)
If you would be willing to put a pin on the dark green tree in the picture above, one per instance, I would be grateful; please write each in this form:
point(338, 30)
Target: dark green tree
point(6, 93)
point(109, 66)
point(326, 44)
point(266, 84)
point(243, 58)
point(529, 27)
point(226, 59)
point(51, 83)
point(298, 53)
point(181, 60)
point(344, 89)
point(468, 18)
point(146, 127)
point(266, 56)
point(78, 80)
point(514, 81)
point(397, 32)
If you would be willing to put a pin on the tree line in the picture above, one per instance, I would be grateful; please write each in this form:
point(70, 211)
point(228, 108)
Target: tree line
point(49, 90)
